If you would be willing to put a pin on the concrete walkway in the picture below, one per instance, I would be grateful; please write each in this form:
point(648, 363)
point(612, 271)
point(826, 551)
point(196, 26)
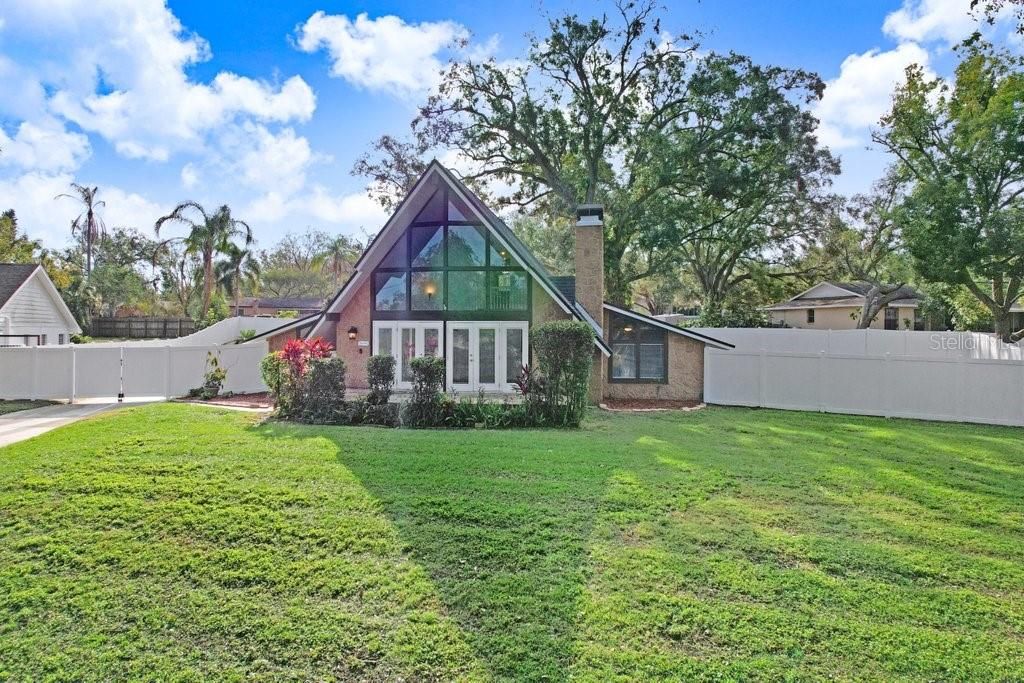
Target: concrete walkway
point(25, 424)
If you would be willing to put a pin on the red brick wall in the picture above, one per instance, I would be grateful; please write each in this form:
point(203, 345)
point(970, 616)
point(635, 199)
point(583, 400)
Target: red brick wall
point(277, 342)
point(355, 314)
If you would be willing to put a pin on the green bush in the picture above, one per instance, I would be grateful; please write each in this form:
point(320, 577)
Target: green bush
point(274, 369)
point(565, 355)
point(427, 406)
point(380, 373)
point(323, 391)
point(481, 414)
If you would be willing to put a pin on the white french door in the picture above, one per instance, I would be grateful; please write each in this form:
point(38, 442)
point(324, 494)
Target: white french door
point(406, 340)
point(485, 355)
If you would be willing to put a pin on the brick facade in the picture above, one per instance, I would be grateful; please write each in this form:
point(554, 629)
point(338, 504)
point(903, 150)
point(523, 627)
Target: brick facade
point(355, 314)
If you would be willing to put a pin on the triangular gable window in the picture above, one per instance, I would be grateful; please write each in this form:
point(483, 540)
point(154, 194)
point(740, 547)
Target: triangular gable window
point(457, 210)
point(397, 257)
point(446, 263)
point(433, 211)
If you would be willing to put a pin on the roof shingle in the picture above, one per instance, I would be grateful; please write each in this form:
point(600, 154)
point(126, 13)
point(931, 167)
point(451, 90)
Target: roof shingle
point(12, 276)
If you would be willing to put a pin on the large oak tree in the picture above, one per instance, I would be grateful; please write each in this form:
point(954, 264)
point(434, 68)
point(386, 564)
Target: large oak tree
point(617, 111)
point(961, 147)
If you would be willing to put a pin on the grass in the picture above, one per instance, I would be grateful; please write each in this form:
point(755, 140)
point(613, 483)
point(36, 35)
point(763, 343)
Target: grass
point(178, 542)
point(13, 406)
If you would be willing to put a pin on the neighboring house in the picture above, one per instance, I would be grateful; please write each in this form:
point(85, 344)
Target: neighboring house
point(446, 277)
point(253, 306)
point(685, 317)
point(32, 312)
point(838, 305)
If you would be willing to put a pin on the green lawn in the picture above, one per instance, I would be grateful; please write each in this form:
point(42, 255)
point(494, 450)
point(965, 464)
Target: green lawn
point(14, 406)
point(177, 542)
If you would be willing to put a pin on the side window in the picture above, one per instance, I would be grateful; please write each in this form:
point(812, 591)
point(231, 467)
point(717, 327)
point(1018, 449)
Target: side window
point(638, 351)
point(810, 315)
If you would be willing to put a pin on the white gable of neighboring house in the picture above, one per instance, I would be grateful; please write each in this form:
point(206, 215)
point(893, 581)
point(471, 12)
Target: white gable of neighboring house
point(37, 309)
point(823, 290)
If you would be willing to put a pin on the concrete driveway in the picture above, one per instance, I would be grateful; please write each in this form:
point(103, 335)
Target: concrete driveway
point(25, 424)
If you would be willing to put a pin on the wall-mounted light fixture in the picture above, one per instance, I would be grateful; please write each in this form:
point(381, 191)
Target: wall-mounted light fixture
point(352, 332)
point(430, 289)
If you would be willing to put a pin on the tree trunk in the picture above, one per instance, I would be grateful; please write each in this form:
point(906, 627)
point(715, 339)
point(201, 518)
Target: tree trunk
point(207, 284)
point(1003, 325)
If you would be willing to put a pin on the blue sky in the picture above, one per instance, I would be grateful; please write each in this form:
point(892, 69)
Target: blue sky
point(265, 105)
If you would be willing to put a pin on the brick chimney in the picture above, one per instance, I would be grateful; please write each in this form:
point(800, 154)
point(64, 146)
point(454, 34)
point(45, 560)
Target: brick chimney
point(590, 259)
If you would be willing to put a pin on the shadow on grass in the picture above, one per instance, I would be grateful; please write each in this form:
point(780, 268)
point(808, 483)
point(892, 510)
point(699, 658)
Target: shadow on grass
point(818, 547)
point(729, 543)
point(499, 521)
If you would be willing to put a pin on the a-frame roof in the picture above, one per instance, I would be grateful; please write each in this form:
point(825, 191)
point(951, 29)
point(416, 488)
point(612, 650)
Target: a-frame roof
point(399, 220)
point(14, 277)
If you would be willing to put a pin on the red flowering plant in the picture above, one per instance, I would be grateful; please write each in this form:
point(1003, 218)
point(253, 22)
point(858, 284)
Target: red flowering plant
point(298, 353)
point(284, 370)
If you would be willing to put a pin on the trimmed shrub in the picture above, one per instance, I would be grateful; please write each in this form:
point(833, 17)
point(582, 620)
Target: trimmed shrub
point(426, 407)
point(380, 373)
point(384, 414)
point(565, 355)
point(323, 391)
point(274, 370)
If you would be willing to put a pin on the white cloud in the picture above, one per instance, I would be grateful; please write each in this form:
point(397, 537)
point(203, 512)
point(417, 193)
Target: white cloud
point(189, 176)
point(351, 213)
point(928, 20)
point(862, 93)
point(267, 161)
point(384, 53)
point(119, 69)
point(44, 146)
point(32, 196)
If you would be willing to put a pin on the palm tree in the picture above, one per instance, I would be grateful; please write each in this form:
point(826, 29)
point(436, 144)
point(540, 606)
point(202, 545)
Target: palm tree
point(88, 222)
point(239, 266)
point(209, 234)
point(338, 257)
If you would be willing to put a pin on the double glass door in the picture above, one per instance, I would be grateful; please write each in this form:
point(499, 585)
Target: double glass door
point(485, 355)
point(405, 341)
point(478, 355)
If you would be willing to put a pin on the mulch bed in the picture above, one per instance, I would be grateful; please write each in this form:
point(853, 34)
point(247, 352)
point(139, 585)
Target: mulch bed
point(647, 404)
point(258, 400)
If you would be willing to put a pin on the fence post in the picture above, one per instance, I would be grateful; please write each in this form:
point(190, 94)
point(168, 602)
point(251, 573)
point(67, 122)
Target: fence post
point(167, 371)
point(961, 378)
point(35, 372)
point(762, 380)
point(74, 374)
point(1021, 420)
point(887, 386)
point(821, 382)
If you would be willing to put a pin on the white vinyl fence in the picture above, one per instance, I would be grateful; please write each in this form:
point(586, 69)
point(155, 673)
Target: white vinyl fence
point(939, 376)
point(132, 371)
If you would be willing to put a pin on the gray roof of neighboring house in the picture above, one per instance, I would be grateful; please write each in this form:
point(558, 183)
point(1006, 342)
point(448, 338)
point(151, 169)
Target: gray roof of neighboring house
point(12, 277)
point(281, 302)
point(863, 288)
point(909, 297)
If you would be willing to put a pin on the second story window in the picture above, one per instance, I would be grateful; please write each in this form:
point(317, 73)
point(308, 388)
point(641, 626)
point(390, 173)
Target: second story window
point(446, 262)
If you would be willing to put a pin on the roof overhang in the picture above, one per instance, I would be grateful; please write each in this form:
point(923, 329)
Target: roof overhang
point(798, 306)
point(696, 336)
point(293, 324)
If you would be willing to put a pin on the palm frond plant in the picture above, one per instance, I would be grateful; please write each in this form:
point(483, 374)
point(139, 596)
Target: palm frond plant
point(88, 224)
point(209, 234)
